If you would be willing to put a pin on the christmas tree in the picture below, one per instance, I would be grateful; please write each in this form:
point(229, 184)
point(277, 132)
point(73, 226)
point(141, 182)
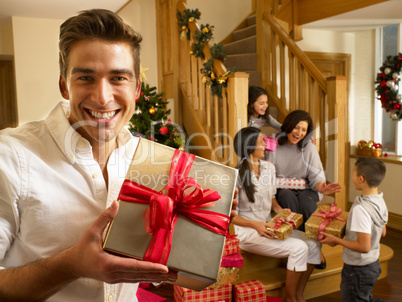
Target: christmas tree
point(151, 121)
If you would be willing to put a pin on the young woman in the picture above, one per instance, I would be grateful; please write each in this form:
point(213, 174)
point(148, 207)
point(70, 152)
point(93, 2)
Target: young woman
point(257, 189)
point(297, 157)
point(258, 111)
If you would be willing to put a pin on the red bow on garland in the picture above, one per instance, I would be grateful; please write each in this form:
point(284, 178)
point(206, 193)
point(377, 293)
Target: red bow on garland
point(333, 213)
point(184, 196)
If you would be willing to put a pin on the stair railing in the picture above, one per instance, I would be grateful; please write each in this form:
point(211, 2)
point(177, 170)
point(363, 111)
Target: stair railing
point(211, 122)
point(294, 82)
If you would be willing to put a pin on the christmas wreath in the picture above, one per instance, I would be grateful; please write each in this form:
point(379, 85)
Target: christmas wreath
point(387, 86)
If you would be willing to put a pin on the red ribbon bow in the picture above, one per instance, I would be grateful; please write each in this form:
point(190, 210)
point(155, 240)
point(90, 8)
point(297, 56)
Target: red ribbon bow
point(184, 196)
point(281, 220)
point(333, 213)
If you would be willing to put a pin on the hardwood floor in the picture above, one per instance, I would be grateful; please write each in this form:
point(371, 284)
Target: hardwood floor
point(389, 288)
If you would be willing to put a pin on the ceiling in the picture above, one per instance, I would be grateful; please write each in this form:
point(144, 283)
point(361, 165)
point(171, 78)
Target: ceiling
point(54, 9)
point(382, 14)
point(385, 13)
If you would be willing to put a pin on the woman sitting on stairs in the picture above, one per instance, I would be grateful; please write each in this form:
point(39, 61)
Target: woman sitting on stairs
point(257, 189)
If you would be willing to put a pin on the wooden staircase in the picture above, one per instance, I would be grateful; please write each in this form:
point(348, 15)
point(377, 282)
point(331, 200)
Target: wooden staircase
point(272, 272)
point(293, 82)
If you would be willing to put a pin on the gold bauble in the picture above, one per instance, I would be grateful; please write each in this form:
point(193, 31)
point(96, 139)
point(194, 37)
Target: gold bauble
point(370, 144)
point(212, 76)
point(361, 144)
point(191, 19)
point(152, 110)
point(181, 148)
point(205, 30)
point(222, 79)
point(184, 27)
point(204, 79)
point(191, 52)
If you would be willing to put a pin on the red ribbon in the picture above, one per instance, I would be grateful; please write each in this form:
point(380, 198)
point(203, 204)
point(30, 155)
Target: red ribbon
point(281, 220)
point(333, 213)
point(184, 196)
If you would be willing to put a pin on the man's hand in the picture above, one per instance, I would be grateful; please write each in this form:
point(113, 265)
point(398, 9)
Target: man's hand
point(330, 188)
point(88, 259)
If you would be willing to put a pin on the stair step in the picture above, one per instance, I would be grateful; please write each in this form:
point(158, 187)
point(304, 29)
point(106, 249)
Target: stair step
point(251, 20)
point(244, 32)
point(272, 272)
point(247, 45)
point(242, 62)
point(255, 77)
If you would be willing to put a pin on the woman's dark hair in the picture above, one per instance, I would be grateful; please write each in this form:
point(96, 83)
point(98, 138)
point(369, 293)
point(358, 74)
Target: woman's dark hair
point(254, 92)
point(290, 122)
point(245, 142)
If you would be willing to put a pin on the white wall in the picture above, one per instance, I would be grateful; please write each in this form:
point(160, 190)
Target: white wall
point(36, 66)
point(390, 187)
point(224, 17)
point(141, 16)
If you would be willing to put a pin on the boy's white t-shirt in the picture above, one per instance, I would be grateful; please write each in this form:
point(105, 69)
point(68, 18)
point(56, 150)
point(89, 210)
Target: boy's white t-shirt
point(361, 220)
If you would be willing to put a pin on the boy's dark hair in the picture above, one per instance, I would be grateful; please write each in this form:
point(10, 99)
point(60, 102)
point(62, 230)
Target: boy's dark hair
point(97, 24)
point(372, 169)
point(254, 92)
point(245, 142)
point(290, 122)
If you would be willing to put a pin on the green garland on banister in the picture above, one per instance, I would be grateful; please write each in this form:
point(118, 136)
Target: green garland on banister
point(387, 86)
point(201, 37)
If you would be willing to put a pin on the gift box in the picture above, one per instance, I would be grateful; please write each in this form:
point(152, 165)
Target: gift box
point(174, 209)
point(221, 294)
point(227, 275)
point(327, 218)
point(274, 299)
point(234, 260)
point(290, 183)
point(146, 296)
point(270, 143)
point(253, 291)
point(283, 224)
point(231, 245)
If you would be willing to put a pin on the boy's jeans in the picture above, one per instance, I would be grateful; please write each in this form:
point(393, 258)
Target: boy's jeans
point(358, 282)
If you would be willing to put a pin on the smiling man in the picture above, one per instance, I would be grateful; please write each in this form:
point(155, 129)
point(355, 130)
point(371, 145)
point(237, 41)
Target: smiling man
point(59, 178)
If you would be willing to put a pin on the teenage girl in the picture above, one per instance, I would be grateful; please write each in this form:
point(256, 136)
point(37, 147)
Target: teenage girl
point(258, 111)
point(256, 185)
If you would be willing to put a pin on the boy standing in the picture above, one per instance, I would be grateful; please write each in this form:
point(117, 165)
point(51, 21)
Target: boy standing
point(366, 223)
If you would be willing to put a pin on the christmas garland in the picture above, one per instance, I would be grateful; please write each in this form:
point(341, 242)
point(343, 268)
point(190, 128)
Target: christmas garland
point(387, 86)
point(201, 37)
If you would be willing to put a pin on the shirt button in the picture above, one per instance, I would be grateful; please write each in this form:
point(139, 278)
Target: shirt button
point(95, 175)
point(110, 297)
point(81, 144)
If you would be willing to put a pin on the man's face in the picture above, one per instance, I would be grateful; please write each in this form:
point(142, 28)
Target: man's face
point(102, 88)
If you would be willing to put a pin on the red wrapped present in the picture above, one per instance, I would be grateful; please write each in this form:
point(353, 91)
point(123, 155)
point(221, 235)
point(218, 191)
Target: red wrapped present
point(221, 294)
point(290, 183)
point(170, 212)
point(146, 296)
point(234, 260)
point(231, 245)
point(274, 299)
point(250, 291)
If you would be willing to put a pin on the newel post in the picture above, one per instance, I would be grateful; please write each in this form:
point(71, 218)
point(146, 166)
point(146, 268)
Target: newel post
point(237, 91)
point(338, 121)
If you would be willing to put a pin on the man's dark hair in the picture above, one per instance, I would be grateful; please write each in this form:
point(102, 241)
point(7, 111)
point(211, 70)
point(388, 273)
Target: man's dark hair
point(97, 24)
point(372, 169)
